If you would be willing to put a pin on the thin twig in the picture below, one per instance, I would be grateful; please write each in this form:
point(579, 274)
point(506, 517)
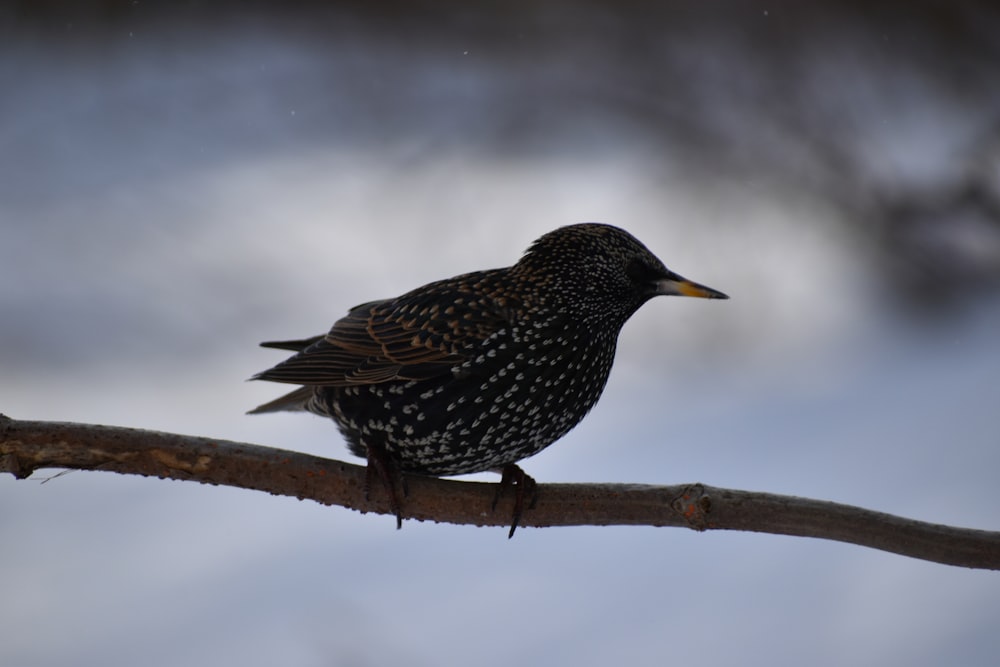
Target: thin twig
point(26, 446)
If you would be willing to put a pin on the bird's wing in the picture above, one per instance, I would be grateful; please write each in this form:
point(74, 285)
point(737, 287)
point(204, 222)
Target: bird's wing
point(419, 335)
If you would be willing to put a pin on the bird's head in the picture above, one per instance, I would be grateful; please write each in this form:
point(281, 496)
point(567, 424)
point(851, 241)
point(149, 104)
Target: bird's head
point(597, 271)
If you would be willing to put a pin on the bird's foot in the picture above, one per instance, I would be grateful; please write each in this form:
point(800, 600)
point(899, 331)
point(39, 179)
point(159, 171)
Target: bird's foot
point(525, 487)
point(392, 480)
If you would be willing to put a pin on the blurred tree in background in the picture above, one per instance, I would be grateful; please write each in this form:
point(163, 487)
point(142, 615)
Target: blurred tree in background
point(889, 112)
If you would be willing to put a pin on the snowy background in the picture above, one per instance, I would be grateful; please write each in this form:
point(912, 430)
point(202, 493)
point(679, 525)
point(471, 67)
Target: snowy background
point(178, 185)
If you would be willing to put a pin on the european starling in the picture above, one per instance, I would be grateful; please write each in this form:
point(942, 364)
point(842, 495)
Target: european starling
point(479, 371)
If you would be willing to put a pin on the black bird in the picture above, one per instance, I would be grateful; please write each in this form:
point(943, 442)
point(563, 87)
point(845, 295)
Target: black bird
point(479, 371)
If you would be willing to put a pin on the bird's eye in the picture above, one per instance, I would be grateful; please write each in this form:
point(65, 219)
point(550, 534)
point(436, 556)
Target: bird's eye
point(638, 271)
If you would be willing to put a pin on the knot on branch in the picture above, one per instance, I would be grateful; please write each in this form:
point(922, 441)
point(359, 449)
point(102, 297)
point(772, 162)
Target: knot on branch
point(694, 504)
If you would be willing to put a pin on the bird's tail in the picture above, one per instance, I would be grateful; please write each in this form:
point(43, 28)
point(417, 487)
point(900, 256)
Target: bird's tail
point(293, 345)
point(293, 401)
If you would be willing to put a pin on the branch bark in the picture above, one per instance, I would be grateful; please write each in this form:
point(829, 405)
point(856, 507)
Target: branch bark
point(26, 446)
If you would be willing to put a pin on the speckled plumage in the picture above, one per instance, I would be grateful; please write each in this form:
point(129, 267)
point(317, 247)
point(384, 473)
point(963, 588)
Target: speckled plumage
point(479, 371)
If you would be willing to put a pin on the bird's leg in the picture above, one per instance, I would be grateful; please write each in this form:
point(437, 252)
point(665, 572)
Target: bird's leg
point(381, 466)
point(512, 475)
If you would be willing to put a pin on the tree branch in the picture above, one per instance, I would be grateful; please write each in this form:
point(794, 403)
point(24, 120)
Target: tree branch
point(26, 446)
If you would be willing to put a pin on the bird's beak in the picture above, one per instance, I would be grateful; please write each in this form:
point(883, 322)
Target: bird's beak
point(675, 285)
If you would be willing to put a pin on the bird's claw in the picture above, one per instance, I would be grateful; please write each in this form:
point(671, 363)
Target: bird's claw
point(393, 481)
point(524, 486)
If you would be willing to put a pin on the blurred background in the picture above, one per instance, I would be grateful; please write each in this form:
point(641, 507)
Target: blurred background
point(179, 181)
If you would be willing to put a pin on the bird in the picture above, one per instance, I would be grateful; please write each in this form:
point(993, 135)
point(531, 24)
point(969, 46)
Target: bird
point(475, 373)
